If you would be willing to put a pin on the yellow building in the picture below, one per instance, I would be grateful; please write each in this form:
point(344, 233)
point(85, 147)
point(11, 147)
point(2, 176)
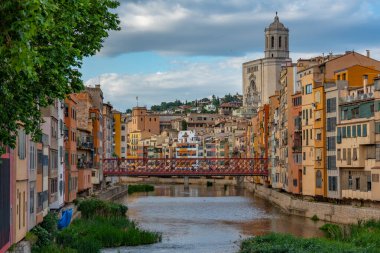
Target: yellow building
point(134, 138)
point(319, 140)
point(307, 80)
point(120, 134)
point(354, 75)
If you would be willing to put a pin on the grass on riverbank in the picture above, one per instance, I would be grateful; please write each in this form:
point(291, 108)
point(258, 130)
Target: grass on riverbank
point(103, 225)
point(140, 188)
point(362, 237)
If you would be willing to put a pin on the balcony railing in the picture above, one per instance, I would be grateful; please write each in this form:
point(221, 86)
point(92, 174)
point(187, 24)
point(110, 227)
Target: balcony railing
point(85, 145)
point(85, 165)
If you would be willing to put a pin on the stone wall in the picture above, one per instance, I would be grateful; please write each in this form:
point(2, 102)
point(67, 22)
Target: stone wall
point(344, 214)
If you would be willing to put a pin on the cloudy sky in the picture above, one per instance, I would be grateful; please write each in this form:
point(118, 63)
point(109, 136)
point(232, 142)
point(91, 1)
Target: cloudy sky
point(189, 49)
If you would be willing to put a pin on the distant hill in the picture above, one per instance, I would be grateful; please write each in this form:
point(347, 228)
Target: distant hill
point(204, 104)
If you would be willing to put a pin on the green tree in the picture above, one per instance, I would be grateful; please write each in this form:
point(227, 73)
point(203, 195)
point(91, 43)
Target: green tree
point(184, 125)
point(42, 45)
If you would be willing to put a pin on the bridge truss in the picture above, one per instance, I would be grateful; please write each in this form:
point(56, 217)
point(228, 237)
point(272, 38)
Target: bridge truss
point(160, 167)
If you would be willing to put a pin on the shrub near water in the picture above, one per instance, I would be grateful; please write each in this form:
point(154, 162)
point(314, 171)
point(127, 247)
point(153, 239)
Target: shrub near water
point(362, 237)
point(140, 188)
point(103, 225)
point(94, 207)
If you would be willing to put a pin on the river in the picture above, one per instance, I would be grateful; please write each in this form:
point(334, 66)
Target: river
point(207, 219)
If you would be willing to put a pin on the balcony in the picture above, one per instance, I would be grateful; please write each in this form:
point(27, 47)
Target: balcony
point(85, 165)
point(85, 145)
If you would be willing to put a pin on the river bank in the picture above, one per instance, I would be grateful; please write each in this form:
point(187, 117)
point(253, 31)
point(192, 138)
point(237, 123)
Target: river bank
point(342, 214)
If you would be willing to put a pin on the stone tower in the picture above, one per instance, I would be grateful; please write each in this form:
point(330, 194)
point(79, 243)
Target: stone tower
point(261, 76)
point(276, 40)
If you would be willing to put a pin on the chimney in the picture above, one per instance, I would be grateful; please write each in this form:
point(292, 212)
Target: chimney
point(365, 82)
point(97, 86)
point(368, 53)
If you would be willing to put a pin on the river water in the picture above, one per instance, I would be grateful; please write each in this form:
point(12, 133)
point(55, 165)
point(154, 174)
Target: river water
point(204, 219)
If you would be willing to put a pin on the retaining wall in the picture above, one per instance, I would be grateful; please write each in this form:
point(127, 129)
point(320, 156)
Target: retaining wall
point(344, 214)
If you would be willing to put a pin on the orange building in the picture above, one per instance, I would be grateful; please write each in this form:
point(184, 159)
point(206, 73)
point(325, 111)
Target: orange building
point(144, 121)
point(71, 170)
point(97, 121)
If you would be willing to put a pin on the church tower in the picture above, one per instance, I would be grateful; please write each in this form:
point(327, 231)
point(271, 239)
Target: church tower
point(276, 40)
point(261, 76)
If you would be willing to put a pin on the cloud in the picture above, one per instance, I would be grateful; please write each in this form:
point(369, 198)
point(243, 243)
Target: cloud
point(186, 81)
point(235, 27)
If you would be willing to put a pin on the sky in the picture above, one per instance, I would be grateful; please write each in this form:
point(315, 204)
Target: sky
point(188, 49)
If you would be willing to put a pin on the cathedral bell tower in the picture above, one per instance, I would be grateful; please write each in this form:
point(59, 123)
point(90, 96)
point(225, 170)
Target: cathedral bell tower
point(276, 40)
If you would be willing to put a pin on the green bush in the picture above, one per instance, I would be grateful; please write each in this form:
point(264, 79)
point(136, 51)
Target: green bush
point(104, 232)
point(44, 238)
point(94, 207)
point(140, 188)
point(50, 223)
point(361, 237)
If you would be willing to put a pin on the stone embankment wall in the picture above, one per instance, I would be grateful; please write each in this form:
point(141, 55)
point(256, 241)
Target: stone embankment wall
point(344, 214)
point(113, 193)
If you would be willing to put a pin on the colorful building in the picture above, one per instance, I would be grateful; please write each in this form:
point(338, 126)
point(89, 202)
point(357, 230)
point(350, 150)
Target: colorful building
point(71, 143)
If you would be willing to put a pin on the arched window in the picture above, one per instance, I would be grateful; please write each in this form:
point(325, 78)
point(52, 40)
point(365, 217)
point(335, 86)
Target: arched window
point(279, 42)
point(286, 42)
point(319, 179)
point(272, 42)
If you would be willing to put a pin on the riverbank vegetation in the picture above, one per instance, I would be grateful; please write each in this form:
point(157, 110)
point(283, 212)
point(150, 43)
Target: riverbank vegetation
point(103, 225)
point(361, 237)
point(140, 188)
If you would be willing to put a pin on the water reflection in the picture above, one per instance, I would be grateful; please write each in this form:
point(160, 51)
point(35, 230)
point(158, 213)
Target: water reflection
point(208, 219)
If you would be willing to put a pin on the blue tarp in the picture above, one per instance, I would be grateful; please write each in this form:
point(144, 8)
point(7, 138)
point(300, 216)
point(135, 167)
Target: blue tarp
point(65, 219)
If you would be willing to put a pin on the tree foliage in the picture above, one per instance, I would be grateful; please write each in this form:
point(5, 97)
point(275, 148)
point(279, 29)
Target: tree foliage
point(42, 45)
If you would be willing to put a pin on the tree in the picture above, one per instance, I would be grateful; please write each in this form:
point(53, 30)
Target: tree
point(184, 125)
point(42, 45)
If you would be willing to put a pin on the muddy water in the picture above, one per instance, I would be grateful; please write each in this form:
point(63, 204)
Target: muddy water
point(208, 219)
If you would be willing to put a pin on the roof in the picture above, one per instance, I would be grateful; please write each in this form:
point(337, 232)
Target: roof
point(277, 25)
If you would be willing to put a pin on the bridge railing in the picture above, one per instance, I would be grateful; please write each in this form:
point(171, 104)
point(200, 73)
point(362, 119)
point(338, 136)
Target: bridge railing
point(176, 166)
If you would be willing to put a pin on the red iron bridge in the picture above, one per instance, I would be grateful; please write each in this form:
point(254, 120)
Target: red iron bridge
point(161, 167)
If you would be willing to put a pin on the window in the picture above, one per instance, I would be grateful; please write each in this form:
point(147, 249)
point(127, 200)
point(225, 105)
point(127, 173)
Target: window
point(375, 178)
point(331, 105)
point(338, 77)
point(364, 130)
point(309, 89)
point(333, 184)
point(317, 96)
point(369, 184)
point(339, 153)
point(344, 154)
point(311, 114)
point(355, 154)
point(331, 162)
point(354, 131)
point(377, 127)
point(344, 132)
point(279, 42)
point(331, 124)
point(123, 138)
point(31, 200)
point(32, 156)
point(349, 181)
point(357, 183)
point(122, 127)
point(339, 135)
point(21, 144)
point(377, 152)
point(359, 128)
point(318, 179)
point(348, 131)
point(304, 170)
point(272, 42)
point(331, 143)
point(344, 76)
